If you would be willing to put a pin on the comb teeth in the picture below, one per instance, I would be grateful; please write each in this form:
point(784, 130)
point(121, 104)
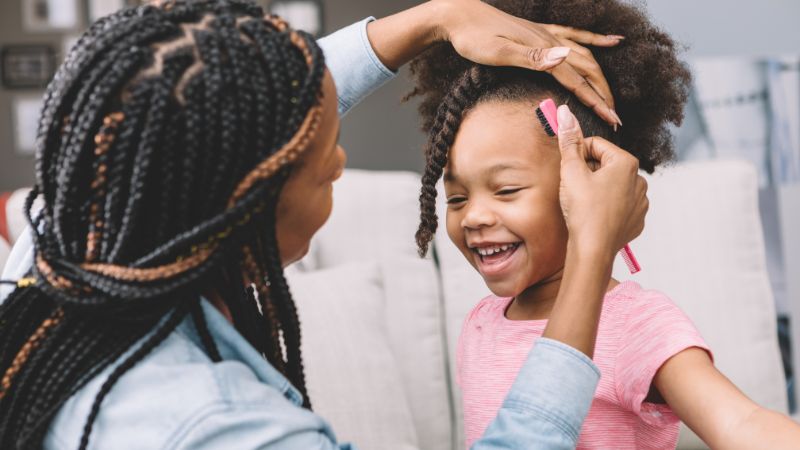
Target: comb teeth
point(630, 260)
point(547, 128)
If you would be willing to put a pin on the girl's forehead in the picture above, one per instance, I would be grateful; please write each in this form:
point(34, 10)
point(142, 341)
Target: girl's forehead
point(484, 164)
point(503, 124)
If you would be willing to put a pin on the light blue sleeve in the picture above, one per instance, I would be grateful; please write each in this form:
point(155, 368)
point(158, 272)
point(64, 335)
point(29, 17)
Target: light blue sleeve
point(18, 263)
point(264, 420)
point(355, 67)
point(546, 406)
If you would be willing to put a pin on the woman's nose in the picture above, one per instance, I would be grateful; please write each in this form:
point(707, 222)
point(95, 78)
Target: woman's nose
point(342, 156)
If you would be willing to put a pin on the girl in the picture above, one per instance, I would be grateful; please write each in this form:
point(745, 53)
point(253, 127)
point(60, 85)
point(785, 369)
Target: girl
point(502, 180)
point(186, 155)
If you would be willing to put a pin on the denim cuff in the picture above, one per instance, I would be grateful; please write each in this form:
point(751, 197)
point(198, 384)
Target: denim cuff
point(557, 383)
point(356, 69)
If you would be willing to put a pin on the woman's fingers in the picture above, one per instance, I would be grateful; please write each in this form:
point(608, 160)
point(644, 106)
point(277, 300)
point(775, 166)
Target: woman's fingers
point(580, 86)
point(584, 63)
point(570, 140)
point(540, 59)
point(583, 36)
point(639, 213)
point(486, 35)
point(579, 75)
point(609, 154)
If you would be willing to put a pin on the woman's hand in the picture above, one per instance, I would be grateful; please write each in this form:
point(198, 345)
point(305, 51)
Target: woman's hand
point(604, 208)
point(604, 201)
point(486, 35)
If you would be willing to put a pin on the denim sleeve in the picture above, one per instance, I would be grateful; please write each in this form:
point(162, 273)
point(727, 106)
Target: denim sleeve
point(547, 403)
point(258, 427)
point(355, 67)
point(248, 414)
point(18, 263)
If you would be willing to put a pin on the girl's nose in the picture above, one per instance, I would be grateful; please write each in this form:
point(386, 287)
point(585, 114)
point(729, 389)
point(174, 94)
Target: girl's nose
point(477, 216)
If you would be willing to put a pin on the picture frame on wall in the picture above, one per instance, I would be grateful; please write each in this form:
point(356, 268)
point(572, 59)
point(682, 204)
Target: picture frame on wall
point(101, 8)
point(50, 15)
point(25, 112)
point(67, 43)
point(27, 66)
point(306, 15)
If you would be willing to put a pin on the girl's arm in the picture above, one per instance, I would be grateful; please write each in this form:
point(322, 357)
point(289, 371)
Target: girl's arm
point(715, 409)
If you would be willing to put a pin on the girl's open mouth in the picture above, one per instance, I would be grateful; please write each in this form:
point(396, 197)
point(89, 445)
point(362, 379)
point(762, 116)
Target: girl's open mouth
point(493, 259)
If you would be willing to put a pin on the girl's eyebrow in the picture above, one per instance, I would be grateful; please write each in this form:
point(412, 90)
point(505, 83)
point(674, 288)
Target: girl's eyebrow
point(490, 171)
point(501, 167)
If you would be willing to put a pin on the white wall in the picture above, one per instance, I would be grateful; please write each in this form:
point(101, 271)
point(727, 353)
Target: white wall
point(725, 27)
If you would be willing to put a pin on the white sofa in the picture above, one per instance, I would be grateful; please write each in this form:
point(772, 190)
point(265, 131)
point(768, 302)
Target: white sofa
point(14, 220)
point(380, 324)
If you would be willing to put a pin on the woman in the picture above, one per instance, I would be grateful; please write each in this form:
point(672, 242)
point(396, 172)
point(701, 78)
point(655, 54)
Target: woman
point(186, 155)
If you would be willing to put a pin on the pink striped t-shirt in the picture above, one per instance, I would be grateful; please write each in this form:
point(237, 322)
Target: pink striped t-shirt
point(639, 331)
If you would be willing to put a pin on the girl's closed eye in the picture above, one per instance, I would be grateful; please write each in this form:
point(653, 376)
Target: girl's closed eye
point(509, 190)
point(456, 199)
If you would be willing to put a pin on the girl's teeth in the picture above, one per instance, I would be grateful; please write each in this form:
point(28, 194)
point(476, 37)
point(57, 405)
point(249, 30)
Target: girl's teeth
point(492, 250)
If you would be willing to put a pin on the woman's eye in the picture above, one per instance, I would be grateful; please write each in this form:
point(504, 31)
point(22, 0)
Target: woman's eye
point(455, 200)
point(508, 191)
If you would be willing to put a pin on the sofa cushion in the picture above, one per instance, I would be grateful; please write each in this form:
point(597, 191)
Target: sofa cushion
point(5, 250)
point(374, 219)
point(352, 373)
point(416, 334)
point(703, 246)
point(15, 213)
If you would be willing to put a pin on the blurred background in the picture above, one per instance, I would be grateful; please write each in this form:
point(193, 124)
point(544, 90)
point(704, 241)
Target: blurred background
point(745, 104)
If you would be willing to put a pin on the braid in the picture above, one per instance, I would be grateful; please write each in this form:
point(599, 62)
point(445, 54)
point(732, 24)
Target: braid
point(200, 323)
point(286, 311)
point(456, 103)
point(164, 143)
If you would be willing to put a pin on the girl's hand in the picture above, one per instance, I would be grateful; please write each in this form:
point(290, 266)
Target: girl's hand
point(604, 209)
point(486, 35)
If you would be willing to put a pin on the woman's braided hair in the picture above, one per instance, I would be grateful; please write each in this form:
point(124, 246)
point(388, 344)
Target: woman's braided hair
point(650, 86)
point(164, 142)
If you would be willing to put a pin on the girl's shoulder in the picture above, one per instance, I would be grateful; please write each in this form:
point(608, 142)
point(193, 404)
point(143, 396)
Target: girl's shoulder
point(629, 307)
point(489, 308)
point(632, 310)
point(630, 296)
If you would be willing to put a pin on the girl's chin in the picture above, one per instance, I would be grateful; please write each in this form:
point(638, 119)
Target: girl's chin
point(505, 288)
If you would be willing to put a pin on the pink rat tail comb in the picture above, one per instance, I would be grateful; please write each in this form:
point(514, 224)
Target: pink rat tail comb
point(547, 114)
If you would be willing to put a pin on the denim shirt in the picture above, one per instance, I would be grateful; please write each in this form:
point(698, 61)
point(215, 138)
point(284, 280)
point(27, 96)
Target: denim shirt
point(177, 398)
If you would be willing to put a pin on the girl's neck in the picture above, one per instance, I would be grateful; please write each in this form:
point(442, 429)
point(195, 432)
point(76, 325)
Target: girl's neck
point(536, 302)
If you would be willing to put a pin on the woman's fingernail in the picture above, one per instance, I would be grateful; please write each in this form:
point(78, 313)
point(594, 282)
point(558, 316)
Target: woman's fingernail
point(616, 116)
point(615, 37)
point(556, 54)
point(566, 120)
